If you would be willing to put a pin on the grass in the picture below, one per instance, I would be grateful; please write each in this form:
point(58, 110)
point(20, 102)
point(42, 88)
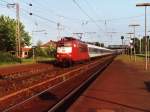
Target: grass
point(44, 58)
point(142, 55)
point(139, 63)
point(25, 61)
point(128, 58)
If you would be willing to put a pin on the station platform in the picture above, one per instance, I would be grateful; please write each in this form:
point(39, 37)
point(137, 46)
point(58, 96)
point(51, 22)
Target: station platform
point(123, 87)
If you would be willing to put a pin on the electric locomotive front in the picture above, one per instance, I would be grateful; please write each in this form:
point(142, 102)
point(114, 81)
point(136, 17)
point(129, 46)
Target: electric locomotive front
point(64, 50)
point(71, 50)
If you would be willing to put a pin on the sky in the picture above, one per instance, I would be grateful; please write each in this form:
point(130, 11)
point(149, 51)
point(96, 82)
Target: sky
point(99, 20)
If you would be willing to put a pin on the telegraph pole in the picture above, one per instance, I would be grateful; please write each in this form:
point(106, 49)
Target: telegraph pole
point(18, 40)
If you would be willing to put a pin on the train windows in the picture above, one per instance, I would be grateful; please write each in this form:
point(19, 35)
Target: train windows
point(91, 50)
point(82, 48)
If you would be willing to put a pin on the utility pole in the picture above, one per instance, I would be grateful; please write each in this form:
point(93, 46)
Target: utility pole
point(18, 40)
point(134, 25)
point(58, 29)
point(111, 34)
point(91, 34)
point(79, 35)
point(146, 40)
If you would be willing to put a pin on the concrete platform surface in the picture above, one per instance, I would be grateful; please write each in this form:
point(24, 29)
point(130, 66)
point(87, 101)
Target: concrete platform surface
point(123, 87)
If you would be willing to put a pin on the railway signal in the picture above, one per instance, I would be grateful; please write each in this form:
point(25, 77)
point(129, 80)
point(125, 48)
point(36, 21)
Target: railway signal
point(122, 38)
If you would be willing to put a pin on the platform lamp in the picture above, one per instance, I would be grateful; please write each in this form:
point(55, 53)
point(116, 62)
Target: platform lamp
point(134, 26)
point(146, 56)
point(130, 33)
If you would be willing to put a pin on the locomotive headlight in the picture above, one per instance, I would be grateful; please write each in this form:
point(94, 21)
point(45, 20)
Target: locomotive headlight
point(57, 55)
point(69, 55)
point(74, 45)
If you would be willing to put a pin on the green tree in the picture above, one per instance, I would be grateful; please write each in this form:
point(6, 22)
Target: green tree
point(143, 43)
point(51, 51)
point(8, 34)
point(136, 42)
point(40, 51)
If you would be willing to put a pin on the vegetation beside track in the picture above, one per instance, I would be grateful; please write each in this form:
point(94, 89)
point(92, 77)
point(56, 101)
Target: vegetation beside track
point(142, 55)
point(7, 59)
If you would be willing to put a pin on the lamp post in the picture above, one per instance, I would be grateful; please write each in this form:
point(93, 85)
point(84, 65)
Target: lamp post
point(146, 56)
point(140, 44)
point(134, 25)
point(130, 33)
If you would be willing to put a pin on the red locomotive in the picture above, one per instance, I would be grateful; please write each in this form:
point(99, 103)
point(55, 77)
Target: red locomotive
point(71, 50)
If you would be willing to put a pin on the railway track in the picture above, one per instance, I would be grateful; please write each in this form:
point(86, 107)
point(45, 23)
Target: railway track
point(52, 90)
point(19, 80)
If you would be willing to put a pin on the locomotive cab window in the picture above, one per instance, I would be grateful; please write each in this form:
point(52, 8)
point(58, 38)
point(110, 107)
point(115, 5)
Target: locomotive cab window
point(65, 45)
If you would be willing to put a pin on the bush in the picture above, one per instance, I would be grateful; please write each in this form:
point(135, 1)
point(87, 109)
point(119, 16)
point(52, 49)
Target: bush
point(6, 57)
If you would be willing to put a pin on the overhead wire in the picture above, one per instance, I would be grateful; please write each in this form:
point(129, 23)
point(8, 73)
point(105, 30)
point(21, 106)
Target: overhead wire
point(55, 13)
point(3, 5)
point(85, 13)
point(45, 18)
point(91, 8)
point(4, 1)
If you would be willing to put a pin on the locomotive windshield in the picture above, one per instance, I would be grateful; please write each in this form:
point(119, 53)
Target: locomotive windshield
point(64, 48)
point(65, 45)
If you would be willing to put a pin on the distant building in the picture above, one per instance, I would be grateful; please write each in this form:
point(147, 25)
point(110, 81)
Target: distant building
point(25, 51)
point(49, 44)
point(118, 46)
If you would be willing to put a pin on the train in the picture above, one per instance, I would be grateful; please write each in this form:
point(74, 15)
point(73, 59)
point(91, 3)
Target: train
point(71, 50)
